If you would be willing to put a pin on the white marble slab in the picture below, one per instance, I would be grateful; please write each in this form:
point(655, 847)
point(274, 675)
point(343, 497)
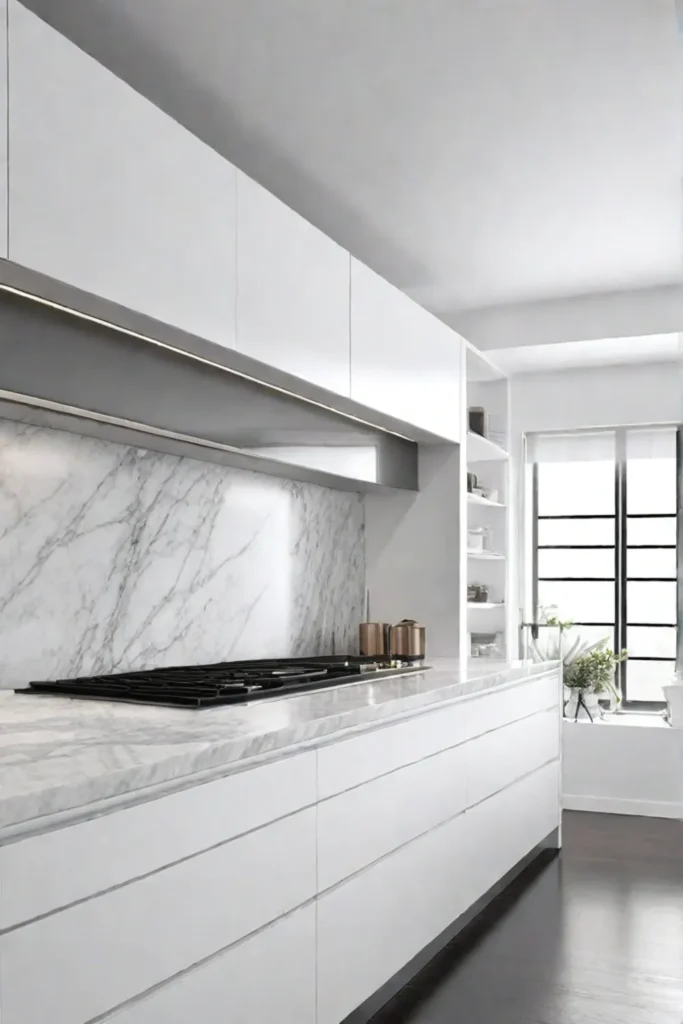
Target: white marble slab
point(114, 557)
point(71, 758)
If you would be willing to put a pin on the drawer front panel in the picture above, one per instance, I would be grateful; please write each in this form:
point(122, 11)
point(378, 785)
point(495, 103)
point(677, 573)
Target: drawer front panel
point(509, 705)
point(372, 924)
point(499, 758)
point(363, 824)
point(46, 872)
point(88, 959)
point(371, 754)
point(231, 986)
point(507, 826)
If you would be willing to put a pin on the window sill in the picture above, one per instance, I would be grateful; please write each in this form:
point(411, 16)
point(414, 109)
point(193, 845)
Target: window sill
point(626, 721)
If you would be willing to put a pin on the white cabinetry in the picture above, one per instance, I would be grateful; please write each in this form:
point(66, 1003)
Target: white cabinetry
point(97, 954)
point(109, 194)
point(266, 978)
point(506, 827)
point(333, 868)
point(404, 361)
point(104, 852)
point(292, 291)
point(374, 923)
point(367, 822)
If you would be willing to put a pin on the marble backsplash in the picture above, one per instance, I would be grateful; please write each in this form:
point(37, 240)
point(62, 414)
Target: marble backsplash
point(114, 557)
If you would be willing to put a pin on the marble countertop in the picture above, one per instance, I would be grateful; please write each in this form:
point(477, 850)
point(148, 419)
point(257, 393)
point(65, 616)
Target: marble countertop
point(63, 760)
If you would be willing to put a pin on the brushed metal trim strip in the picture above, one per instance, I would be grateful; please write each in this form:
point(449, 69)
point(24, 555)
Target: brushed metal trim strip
point(36, 287)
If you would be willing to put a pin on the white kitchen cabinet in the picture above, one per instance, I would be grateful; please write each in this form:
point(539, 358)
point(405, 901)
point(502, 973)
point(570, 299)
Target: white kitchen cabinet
point(404, 361)
point(106, 851)
point(349, 763)
point(499, 758)
point(292, 291)
point(99, 953)
point(268, 978)
point(363, 824)
point(373, 924)
point(509, 704)
point(108, 193)
point(506, 827)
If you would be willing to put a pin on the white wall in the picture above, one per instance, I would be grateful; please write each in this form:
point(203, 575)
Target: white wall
point(608, 396)
point(577, 318)
point(412, 548)
point(616, 768)
point(623, 769)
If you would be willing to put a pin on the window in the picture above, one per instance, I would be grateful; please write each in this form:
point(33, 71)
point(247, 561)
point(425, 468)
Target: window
point(605, 510)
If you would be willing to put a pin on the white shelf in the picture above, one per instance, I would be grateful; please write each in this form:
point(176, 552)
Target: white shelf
point(476, 499)
point(485, 605)
point(480, 449)
point(486, 556)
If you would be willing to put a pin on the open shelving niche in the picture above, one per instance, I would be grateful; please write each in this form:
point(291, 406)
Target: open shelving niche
point(487, 457)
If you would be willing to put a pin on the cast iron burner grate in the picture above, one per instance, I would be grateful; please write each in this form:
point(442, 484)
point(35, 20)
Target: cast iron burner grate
point(232, 682)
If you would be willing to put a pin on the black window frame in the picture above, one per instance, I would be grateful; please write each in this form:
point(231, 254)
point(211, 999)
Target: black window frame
point(620, 547)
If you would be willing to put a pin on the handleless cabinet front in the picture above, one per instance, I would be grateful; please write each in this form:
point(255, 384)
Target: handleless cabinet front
point(292, 291)
point(404, 361)
point(267, 977)
point(109, 194)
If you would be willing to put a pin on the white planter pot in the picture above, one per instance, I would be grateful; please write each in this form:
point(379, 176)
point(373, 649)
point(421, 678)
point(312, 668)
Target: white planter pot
point(674, 697)
point(591, 701)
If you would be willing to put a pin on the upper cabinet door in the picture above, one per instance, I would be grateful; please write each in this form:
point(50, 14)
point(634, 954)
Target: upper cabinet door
point(404, 361)
point(292, 291)
point(109, 194)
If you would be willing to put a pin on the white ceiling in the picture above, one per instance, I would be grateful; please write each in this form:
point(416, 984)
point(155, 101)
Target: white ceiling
point(476, 152)
point(570, 355)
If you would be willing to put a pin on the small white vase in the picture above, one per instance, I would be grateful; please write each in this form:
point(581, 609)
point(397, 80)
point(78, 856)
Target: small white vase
point(674, 698)
point(590, 708)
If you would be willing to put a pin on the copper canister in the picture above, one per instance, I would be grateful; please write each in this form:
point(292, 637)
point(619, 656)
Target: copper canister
point(408, 640)
point(372, 639)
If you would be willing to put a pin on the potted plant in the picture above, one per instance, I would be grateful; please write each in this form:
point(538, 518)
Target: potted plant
point(589, 676)
point(560, 642)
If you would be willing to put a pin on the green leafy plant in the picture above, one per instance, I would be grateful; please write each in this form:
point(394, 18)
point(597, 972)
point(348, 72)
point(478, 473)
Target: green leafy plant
point(593, 672)
point(565, 645)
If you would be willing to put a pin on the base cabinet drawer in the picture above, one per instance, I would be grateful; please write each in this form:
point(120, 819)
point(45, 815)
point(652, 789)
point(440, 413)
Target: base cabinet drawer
point(266, 979)
point(493, 710)
point(507, 826)
point(104, 852)
point(499, 758)
point(359, 759)
point(85, 961)
point(368, 822)
point(374, 923)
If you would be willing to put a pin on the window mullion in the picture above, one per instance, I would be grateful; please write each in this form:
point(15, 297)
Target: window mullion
point(679, 549)
point(621, 553)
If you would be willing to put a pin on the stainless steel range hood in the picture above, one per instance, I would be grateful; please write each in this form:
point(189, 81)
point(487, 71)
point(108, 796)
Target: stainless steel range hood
point(76, 362)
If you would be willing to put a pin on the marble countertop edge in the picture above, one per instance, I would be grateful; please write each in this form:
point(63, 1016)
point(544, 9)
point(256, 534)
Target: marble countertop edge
point(104, 773)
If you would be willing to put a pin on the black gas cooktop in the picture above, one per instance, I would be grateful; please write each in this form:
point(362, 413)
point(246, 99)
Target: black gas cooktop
point(230, 682)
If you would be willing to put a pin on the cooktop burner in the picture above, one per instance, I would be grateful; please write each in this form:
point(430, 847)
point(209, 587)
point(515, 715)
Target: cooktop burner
point(230, 682)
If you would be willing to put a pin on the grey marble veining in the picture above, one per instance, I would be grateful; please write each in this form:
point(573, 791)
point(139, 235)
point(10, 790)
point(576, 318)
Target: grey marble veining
point(114, 557)
point(62, 756)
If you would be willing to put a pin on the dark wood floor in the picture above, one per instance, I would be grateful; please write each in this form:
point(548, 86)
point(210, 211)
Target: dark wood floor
point(595, 938)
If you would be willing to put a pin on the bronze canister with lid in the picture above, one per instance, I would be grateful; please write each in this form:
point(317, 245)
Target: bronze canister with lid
point(407, 641)
point(373, 639)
